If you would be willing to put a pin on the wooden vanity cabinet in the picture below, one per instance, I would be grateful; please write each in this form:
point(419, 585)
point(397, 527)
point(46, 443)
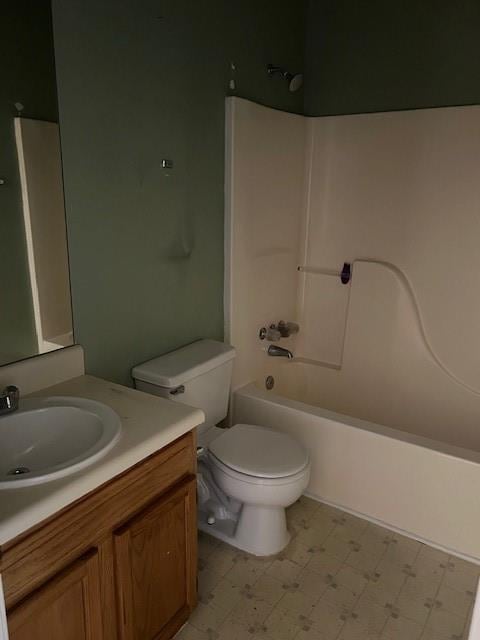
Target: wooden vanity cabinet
point(68, 606)
point(154, 567)
point(120, 563)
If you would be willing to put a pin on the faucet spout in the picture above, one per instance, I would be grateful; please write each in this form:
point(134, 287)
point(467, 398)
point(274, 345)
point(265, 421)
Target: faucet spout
point(279, 352)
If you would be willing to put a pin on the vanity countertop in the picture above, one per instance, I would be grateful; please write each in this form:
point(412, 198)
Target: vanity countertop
point(149, 423)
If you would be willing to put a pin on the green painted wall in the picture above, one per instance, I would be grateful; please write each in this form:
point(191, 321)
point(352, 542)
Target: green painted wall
point(139, 81)
point(377, 55)
point(27, 76)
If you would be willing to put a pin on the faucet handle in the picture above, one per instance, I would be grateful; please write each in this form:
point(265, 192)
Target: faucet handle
point(9, 399)
point(287, 329)
point(273, 333)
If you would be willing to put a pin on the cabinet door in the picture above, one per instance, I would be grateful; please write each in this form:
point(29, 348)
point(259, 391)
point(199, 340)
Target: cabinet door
point(66, 608)
point(156, 565)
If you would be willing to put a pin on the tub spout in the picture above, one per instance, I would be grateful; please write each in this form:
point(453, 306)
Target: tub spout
point(279, 352)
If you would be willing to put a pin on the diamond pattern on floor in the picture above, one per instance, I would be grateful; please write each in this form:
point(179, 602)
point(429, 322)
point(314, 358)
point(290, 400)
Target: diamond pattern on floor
point(340, 578)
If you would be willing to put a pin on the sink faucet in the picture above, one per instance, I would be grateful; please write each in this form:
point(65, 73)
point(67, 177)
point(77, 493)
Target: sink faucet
point(279, 352)
point(9, 398)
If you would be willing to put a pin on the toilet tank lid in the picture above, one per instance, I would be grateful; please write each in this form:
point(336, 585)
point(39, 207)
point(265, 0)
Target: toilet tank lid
point(184, 364)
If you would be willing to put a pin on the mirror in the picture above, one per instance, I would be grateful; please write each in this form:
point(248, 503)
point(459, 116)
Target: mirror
point(35, 307)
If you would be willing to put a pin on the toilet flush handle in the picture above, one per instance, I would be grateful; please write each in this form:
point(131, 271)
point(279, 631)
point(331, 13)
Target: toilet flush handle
point(178, 390)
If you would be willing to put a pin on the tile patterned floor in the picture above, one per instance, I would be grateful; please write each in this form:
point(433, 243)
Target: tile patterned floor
point(340, 578)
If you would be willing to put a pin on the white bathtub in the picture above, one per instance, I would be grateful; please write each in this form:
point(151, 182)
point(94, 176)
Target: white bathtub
point(424, 488)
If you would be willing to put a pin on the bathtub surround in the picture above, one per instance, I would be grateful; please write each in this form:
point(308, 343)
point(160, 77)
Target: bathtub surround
point(265, 178)
point(399, 192)
point(396, 196)
point(140, 82)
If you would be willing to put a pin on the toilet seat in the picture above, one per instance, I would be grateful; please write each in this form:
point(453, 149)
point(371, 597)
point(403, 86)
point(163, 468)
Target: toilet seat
point(257, 480)
point(258, 452)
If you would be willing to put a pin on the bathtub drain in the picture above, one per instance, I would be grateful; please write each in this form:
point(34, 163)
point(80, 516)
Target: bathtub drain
point(269, 382)
point(18, 471)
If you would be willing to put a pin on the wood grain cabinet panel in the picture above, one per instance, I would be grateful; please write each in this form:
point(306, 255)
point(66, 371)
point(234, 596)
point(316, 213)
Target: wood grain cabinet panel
point(155, 566)
point(119, 564)
point(66, 608)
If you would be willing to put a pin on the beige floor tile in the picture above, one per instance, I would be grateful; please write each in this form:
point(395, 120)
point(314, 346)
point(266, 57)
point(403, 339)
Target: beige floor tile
point(367, 558)
point(302, 509)
point(284, 570)
point(351, 578)
point(416, 609)
point(329, 617)
point(468, 621)
point(432, 555)
point(190, 633)
point(389, 589)
point(369, 615)
point(323, 564)
point(206, 545)
point(341, 595)
point(311, 583)
point(427, 572)
point(376, 594)
point(222, 559)
point(461, 575)
point(225, 595)
point(297, 552)
point(311, 634)
point(207, 581)
point(445, 622)
point(351, 527)
point(281, 625)
point(401, 629)
point(458, 602)
point(297, 603)
point(433, 635)
point(268, 589)
point(233, 630)
point(389, 576)
point(465, 566)
point(336, 546)
point(351, 631)
point(325, 516)
point(250, 612)
point(401, 551)
point(375, 534)
point(313, 534)
point(207, 617)
point(247, 569)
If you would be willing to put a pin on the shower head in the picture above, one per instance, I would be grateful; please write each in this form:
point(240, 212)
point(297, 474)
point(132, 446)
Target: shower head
point(295, 81)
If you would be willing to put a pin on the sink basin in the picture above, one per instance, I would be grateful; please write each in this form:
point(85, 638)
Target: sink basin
point(48, 438)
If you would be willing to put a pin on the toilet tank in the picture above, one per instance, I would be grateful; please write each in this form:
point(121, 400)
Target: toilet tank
point(198, 375)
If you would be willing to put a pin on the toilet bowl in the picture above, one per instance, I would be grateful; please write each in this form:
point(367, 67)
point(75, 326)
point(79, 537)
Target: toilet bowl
point(266, 471)
point(248, 474)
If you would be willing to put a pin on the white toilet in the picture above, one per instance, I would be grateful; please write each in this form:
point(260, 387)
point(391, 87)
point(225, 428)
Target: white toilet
point(247, 474)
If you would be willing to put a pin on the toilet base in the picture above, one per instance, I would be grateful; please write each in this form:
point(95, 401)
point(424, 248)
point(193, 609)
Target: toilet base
point(259, 530)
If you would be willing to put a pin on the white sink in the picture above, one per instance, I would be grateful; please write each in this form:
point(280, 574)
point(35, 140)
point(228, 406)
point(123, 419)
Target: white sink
point(48, 438)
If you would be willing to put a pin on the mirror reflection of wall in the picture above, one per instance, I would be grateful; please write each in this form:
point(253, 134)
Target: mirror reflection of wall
point(35, 307)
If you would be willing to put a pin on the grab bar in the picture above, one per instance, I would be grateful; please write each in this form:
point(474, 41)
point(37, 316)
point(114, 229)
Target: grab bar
point(345, 274)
